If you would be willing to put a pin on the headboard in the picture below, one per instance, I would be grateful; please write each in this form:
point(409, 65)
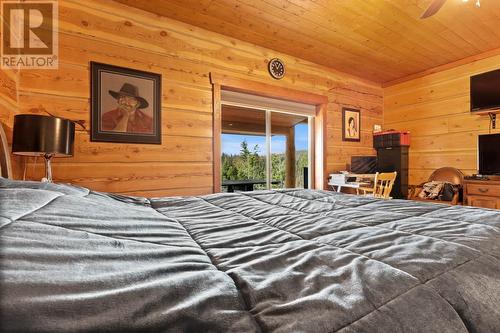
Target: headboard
point(5, 164)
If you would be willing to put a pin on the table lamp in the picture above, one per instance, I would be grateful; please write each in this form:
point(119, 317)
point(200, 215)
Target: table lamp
point(36, 135)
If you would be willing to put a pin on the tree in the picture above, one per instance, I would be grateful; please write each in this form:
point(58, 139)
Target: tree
point(248, 164)
point(278, 168)
point(301, 163)
point(228, 172)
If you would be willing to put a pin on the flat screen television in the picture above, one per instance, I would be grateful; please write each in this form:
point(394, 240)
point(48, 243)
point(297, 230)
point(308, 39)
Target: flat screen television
point(489, 154)
point(485, 91)
point(363, 164)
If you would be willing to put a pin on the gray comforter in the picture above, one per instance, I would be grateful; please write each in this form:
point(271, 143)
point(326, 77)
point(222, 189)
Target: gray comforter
point(73, 260)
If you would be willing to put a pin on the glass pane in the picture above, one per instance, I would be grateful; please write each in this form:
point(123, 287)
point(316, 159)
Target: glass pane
point(243, 160)
point(302, 155)
point(289, 150)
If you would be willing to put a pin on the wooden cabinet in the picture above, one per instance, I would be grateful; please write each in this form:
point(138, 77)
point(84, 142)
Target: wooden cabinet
point(482, 193)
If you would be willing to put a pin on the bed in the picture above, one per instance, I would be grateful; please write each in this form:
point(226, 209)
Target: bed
point(74, 260)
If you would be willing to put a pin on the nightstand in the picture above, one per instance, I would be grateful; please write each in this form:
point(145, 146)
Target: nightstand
point(482, 193)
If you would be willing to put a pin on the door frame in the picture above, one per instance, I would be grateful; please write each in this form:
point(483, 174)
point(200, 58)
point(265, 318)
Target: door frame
point(222, 81)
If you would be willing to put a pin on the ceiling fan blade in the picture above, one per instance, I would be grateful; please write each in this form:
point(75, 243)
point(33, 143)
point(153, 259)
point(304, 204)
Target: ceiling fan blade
point(433, 8)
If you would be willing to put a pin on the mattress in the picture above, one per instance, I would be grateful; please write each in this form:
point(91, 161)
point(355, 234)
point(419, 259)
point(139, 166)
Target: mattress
point(74, 260)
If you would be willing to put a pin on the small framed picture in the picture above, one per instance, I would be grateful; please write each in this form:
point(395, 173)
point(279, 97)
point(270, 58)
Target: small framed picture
point(126, 105)
point(351, 125)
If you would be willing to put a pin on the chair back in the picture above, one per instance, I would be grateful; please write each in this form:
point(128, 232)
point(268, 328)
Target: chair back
point(448, 174)
point(383, 184)
point(5, 167)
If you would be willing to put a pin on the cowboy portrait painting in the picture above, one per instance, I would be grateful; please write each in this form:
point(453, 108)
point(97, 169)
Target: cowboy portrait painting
point(351, 123)
point(127, 116)
point(125, 105)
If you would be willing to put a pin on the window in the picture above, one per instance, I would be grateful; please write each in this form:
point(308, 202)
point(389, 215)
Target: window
point(264, 147)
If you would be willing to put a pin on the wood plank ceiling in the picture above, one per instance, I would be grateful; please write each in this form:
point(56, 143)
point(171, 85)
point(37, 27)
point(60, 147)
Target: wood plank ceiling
point(379, 40)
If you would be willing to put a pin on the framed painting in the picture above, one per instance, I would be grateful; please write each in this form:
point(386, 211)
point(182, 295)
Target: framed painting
point(351, 125)
point(126, 105)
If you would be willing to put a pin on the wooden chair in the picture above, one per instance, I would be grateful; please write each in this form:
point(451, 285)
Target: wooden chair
point(382, 185)
point(446, 174)
point(5, 166)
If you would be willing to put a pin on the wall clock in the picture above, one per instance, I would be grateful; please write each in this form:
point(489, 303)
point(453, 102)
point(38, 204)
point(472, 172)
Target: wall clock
point(276, 68)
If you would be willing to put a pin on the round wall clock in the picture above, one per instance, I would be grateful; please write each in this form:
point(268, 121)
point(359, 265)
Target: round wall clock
point(276, 68)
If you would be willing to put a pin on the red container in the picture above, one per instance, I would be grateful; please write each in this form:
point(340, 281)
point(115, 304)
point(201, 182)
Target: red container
point(391, 139)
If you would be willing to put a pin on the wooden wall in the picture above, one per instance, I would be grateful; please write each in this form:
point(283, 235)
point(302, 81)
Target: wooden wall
point(113, 33)
point(436, 110)
point(8, 97)
point(9, 105)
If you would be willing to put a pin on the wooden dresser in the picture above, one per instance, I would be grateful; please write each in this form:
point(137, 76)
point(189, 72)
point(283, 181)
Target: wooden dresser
point(482, 193)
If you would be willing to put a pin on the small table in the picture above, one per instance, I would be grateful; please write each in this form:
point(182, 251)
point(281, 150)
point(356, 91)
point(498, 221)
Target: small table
point(348, 184)
point(361, 175)
point(245, 185)
point(356, 185)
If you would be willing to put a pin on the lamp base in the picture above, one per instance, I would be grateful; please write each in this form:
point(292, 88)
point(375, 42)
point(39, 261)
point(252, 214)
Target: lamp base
point(48, 168)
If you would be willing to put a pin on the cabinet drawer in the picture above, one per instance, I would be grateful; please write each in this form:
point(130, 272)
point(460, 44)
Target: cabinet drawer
point(488, 190)
point(483, 201)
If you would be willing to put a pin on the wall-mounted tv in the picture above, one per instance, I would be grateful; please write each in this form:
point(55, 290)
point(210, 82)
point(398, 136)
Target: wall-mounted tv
point(485, 91)
point(489, 154)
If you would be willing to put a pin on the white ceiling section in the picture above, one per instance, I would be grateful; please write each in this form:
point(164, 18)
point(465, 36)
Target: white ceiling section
point(265, 103)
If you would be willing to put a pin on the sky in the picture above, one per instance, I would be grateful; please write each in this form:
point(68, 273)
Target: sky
point(231, 143)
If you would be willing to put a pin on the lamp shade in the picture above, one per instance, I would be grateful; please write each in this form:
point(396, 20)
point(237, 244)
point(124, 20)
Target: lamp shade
point(43, 135)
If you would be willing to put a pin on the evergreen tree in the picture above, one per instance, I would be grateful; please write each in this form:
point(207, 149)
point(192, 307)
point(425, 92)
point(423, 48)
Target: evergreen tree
point(248, 164)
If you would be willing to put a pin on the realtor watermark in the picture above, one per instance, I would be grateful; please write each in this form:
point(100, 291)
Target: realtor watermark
point(29, 35)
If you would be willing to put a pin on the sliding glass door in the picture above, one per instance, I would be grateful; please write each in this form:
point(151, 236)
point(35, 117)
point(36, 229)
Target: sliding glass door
point(243, 160)
point(289, 150)
point(264, 149)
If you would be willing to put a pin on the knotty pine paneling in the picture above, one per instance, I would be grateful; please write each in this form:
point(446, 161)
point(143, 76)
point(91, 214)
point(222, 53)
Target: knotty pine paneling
point(370, 103)
point(8, 97)
point(109, 32)
point(436, 110)
point(131, 177)
point(9, 80)
point(389, 40)
point(8, 86)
